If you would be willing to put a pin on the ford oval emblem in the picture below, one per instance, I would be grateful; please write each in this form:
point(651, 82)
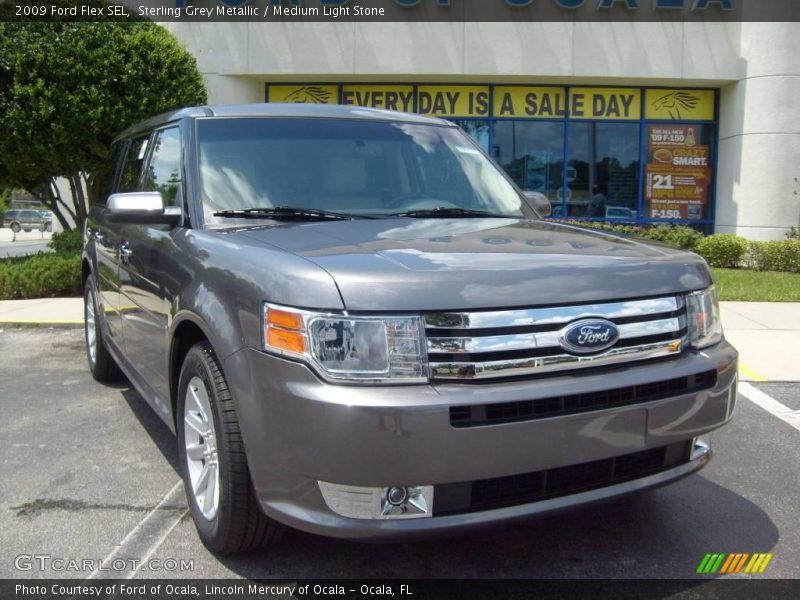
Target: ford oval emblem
point(588, 336)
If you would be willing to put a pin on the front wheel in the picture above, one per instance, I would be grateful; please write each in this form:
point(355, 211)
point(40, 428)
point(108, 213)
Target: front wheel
point(101, 363)
point(213, 462)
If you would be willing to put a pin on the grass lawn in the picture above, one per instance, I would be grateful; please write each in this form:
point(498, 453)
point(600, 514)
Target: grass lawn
point(757, 286)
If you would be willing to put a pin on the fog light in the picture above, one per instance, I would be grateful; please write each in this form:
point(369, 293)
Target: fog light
point(392, 502)
point(397, 495)
point(404, 502)
point(701, 448)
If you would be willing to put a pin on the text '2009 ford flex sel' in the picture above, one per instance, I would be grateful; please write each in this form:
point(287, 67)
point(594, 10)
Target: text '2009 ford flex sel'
point(358, 326)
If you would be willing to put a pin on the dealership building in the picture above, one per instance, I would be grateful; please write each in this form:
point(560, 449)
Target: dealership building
point(671, 120)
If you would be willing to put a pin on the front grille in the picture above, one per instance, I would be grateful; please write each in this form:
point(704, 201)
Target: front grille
point(529, 410)
point(500, 492)
point(525, 342)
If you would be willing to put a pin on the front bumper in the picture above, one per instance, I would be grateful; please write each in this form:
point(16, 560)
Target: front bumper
point(299, 431)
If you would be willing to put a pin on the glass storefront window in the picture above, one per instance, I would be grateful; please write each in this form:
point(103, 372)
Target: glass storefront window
point(602, 173)
point(532, 153)
point(478, 130)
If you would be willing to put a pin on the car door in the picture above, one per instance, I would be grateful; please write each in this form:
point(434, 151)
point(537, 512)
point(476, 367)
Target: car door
point(148, 258)
point(106, 236)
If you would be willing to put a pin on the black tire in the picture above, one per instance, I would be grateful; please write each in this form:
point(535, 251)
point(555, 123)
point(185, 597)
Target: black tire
point(28, 230)
point(238, 524)
point(48, 227)
point(15, 227)
point(102, 364)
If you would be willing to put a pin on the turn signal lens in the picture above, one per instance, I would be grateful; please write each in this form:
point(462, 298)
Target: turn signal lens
point(284, 331)
point(291, 341)
point(284, 319)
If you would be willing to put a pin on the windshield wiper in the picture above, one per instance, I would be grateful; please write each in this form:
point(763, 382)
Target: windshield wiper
point(283, 212)
point(452, 211)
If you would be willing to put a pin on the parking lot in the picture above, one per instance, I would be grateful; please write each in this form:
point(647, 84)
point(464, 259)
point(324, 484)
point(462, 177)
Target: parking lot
point(23, 243)
point(89, 472)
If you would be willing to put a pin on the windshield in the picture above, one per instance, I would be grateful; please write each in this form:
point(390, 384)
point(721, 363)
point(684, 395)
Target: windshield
point(348, 167)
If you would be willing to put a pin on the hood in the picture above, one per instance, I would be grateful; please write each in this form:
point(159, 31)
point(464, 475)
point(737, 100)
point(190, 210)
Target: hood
point(455, 264)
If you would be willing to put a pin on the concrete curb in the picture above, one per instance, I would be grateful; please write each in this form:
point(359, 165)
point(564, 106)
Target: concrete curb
point(41, 324)
point(42, 312)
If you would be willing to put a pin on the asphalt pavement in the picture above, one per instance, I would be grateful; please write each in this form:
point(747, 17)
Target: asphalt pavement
point(89, 472)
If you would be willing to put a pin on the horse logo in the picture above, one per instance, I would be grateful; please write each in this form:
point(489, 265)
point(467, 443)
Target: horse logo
point(677, 103)
point(310, 94)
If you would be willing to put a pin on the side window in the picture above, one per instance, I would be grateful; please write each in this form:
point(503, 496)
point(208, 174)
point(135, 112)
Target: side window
point(132, 168)
point(163, 174)
point(106, 177)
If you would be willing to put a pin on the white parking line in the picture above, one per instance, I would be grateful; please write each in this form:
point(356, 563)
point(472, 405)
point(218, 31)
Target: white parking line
point(144, 539)
point(769, 404)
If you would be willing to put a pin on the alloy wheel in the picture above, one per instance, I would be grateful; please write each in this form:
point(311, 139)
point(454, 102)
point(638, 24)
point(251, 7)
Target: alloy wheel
point(91, 327)
point(200, 441)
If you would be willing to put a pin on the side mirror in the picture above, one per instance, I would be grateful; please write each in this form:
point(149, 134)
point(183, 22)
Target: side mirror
point(143, 208)
point(539, 202)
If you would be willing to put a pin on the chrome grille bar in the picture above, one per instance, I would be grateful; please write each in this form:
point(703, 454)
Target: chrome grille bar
point(544, 339)
point(551, 364)
point(519, 342)
point(552, 316)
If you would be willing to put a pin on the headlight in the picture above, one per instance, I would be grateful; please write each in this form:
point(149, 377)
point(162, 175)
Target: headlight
point(705, 328)
point(349, 348)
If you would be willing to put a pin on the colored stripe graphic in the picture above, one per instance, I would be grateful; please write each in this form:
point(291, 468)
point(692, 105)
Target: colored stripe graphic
point(711, 563)
point(734, 563)
point(741, 562)
point(703, 564)
point(758, 563)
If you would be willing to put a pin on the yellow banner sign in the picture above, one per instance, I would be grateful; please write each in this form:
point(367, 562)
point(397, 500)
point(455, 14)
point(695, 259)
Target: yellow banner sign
point(680, 105)
point(453, 100)
point(530, 102)
point(509, 101)
point(605, 103)
point(389, 97)
point(304, 94)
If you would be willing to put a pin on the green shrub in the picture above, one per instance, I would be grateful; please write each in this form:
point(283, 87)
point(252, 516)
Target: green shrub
point(783, 256)
point(793, 233)
point(674, 235)
point(756, 256)
point(723, 250)
point(40, 276)
point(774, 256)
point(67, 242)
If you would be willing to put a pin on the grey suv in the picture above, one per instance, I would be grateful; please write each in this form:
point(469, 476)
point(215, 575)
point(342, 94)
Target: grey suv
point(27, 219)
point(358, 326)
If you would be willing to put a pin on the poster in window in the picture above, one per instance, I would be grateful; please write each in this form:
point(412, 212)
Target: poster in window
point(678, 173)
